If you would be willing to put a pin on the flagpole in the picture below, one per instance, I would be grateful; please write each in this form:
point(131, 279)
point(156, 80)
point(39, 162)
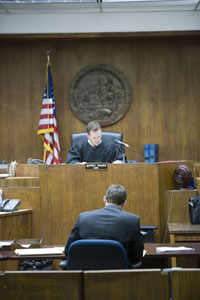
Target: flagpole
point(47, 82)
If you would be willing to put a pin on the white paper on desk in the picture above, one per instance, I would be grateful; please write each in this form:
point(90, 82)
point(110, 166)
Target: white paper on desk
point(40, 251)
point(5, 243)
point(4, 175)
point(173, 249)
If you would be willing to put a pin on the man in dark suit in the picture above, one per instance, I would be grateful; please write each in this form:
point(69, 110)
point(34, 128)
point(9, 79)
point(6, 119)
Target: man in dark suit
point(111, 222)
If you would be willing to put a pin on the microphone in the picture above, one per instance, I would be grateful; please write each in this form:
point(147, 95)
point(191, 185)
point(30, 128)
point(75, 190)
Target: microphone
point(124, 144)
point(128, 146)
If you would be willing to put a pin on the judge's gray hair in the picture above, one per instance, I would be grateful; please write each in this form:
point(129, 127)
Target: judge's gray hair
point(116, 194)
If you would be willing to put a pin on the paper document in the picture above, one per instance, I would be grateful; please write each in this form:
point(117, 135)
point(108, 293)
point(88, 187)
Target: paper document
point(40, 251)
point(4, 175)
point(5, 243)
point(173, 249)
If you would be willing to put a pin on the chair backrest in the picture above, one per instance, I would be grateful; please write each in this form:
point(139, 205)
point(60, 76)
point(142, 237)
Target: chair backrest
point(79, 137)
point(97, 255)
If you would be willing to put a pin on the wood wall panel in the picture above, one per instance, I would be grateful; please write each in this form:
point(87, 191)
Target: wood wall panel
point(16, 225)
point(164, 77)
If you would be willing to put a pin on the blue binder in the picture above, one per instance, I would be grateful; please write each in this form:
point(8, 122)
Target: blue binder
point(154, 152)
point(146, 153)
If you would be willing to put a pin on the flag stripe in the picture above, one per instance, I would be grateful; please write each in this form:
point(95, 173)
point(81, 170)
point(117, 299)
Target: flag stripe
point(46, 121)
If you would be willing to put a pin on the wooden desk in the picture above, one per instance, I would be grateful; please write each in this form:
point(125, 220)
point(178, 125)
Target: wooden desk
point(151, 250)
point(16, 225)
point(182, 232)
point(3, 255)
point(152, 259)
point(169, 259)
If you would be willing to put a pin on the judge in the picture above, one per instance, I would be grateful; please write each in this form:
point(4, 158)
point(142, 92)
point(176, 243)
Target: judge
point(94, 149)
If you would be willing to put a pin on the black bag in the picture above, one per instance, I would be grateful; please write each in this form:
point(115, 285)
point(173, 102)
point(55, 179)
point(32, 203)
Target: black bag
point(194, 209)
point(35, 265)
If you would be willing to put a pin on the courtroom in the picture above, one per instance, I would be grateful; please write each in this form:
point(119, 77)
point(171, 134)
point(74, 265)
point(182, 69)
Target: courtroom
point(100, 159)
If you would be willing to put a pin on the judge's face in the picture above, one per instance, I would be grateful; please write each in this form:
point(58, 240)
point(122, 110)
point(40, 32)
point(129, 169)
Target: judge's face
point(94, 137)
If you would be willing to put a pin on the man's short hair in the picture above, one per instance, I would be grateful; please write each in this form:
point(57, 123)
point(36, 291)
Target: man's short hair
point(94, 125)
point(116, 194)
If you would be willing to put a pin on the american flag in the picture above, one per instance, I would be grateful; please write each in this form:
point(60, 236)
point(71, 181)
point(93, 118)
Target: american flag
point(47, 128)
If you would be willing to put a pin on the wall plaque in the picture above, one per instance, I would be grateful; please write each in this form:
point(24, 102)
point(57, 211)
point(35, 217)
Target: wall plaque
point(100, 92)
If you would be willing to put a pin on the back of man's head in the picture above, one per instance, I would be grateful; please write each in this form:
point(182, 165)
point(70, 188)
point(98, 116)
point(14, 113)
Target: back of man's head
point(116, 194)
point(94, 125)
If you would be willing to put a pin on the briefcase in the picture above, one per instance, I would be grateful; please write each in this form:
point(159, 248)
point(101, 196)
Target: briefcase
point(194, 209)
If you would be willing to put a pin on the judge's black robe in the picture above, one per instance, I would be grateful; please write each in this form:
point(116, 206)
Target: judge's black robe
point(104, 152)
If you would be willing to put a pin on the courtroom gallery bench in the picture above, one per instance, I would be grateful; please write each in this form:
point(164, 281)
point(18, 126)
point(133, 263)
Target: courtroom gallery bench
point(149, 284)
point(77, 285)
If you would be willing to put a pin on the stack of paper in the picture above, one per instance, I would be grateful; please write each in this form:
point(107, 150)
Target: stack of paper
point(40, 251)
point(4, 175)
point(173, 249)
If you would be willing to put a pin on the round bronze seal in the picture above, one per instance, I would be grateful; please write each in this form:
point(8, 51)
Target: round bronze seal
point(101, 93)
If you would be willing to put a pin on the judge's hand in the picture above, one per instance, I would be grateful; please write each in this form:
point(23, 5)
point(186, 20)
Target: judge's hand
point(117, 162)
point(81, 163)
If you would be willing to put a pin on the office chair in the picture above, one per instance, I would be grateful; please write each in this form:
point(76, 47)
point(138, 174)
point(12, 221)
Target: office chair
point(148, 233)
point(109, 136)
point(96, 254)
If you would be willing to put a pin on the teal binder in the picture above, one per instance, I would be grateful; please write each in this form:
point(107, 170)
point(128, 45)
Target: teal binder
point(154, 153)
point(146, 153)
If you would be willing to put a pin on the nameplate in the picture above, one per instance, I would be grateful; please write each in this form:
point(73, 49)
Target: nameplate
point(96, 166)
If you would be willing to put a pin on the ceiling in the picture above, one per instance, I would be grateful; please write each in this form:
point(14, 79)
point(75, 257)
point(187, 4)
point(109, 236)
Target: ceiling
point(101, 6)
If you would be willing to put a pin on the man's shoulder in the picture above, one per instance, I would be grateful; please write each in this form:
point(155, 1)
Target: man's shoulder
point(122, 212)
point(130, 215)
point(80, 145)
point(89, 213)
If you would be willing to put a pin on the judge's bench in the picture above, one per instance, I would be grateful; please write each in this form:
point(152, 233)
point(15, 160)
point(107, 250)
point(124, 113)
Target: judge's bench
point(58, 193)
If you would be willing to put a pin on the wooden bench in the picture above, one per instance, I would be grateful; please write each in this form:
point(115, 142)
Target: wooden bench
point(186, 284)
point(42, 285)
point(126, 284)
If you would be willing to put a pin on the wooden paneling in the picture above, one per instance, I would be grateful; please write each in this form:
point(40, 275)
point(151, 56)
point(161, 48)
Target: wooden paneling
point(132, 284)
point(167, 182)
point(41, 285)
point(185, 284)
point(177, 206)
point(68, 190)
point(30, 199)
point(163, 74)
point(27, 170)
point(20, 182)
point(16, 225)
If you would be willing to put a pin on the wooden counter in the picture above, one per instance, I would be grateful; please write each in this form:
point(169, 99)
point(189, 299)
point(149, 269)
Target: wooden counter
point(61, 192)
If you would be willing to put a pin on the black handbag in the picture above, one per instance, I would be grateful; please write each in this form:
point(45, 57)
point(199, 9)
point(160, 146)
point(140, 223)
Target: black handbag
point(194, 209)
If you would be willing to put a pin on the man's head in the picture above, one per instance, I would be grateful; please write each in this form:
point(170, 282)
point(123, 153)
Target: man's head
point(94, 133)
point(116, 194)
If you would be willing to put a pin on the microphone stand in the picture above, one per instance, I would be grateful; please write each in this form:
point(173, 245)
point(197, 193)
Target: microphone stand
point(137, 154)
point(123, 155)
point(128, 146)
